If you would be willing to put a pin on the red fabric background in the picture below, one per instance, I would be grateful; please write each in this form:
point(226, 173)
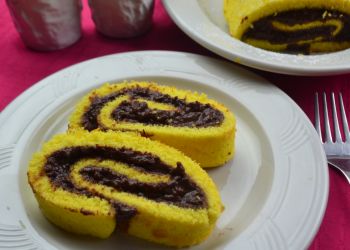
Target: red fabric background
point(21, 67)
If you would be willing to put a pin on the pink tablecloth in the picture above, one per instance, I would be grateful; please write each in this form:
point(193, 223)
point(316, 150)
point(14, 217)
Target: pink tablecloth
point(21, 67)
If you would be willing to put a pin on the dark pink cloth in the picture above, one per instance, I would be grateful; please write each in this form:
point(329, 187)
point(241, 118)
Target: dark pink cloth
point(21, 67)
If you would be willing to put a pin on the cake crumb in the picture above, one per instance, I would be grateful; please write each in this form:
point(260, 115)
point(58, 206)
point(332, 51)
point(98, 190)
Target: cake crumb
point(251, 26)
point(22, 225)
point(300, 54)
point(324, 14)
point(238, 60)
point(329, 14)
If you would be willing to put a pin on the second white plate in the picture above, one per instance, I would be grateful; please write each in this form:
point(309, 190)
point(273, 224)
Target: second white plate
point(204, 22)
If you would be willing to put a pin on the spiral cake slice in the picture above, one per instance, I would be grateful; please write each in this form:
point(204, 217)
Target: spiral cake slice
point(92, 182)
point(277, 25)
point(203, 129)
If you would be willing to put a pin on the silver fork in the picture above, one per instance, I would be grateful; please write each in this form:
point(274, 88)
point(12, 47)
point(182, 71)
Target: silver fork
point(338, 152)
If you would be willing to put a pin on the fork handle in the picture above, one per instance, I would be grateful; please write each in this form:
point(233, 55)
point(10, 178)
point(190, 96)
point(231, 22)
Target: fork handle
point(343, 165)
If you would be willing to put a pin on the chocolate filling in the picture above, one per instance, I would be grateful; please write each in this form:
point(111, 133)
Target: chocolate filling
point(264, 30)
point(180, 190)
point(193, 114)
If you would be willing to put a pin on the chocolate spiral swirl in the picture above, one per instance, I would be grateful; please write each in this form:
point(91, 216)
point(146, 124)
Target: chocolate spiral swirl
point(186, 114)
point(180, 190)
point(326, 26)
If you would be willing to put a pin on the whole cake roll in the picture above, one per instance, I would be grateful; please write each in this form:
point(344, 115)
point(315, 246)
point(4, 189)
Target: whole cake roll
point(278, 25)
point(202, 129)
point(93, 182)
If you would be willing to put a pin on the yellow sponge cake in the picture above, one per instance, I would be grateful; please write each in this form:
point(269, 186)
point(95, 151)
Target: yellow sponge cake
point(93, 182)
point(202, 129)
point(292, 25)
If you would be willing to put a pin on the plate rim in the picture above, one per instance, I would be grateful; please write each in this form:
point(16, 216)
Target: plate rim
point(38, 85)
point(248, 60)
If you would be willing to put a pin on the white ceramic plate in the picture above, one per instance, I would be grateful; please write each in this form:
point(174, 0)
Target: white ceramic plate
point(204, 22)
point(275, 188)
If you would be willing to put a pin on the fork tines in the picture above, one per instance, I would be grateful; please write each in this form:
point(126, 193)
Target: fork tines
point(328, 135)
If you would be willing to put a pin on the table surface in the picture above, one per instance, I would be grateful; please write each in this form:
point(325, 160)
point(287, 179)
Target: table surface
point(21, 67)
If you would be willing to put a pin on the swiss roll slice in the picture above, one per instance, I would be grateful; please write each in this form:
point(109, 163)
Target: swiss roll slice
point(202, 129)
point(278, 25)
point(91, 183)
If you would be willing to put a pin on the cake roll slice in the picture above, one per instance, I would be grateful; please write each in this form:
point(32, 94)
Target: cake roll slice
point(288, 25)
point(91, 183)
point(202, 129)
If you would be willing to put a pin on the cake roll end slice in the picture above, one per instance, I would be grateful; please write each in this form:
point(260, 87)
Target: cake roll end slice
point(282, 25)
